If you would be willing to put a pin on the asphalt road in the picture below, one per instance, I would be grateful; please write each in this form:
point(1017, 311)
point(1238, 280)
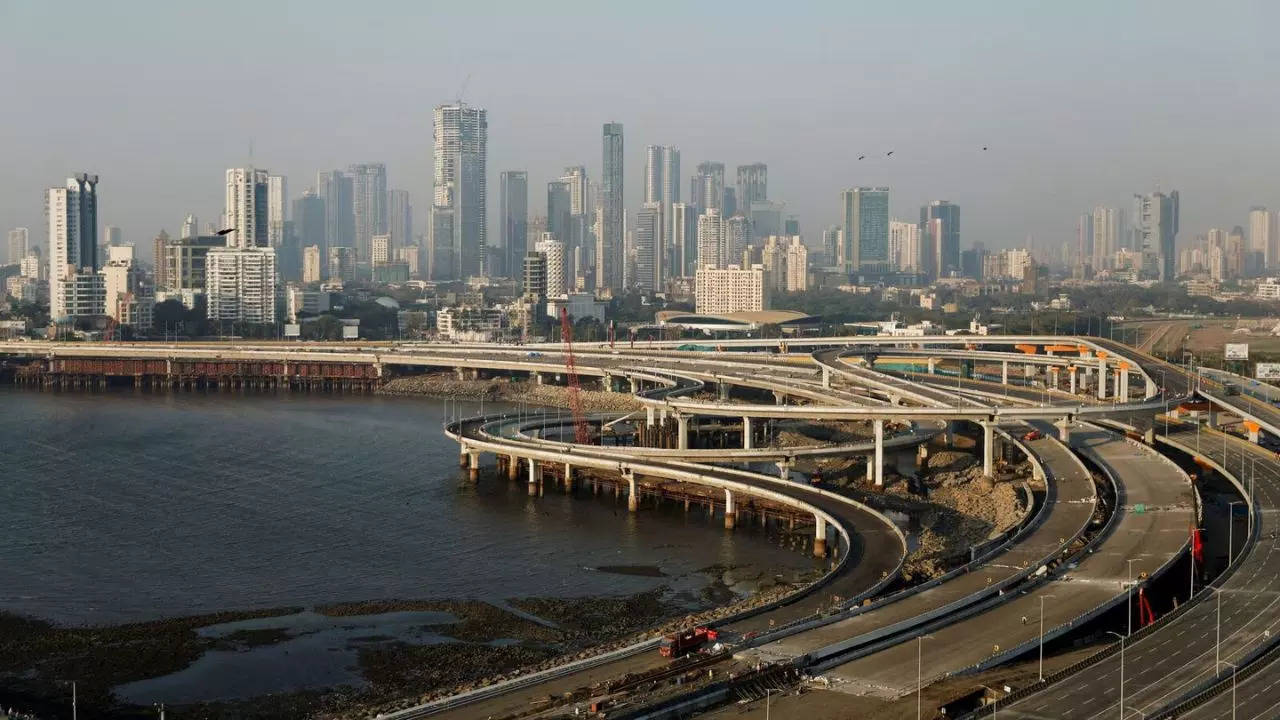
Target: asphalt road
point(1153, 536)
point(1171, 662)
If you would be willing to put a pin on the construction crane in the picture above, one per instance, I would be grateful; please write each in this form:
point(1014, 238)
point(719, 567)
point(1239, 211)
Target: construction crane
point(581, 434)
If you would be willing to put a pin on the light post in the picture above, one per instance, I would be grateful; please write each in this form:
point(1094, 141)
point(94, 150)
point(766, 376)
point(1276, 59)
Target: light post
point(767, 692)
point(1129, 596)
point(1112, 632)
point(1217, 629)
point(995, 704)
point(1233, 685)
point(1041, 673)
point(919, 673)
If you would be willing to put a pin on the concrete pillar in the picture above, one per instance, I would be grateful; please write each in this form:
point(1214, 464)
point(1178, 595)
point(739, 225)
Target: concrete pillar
point(606, 383)
point(779, 398)
point(648, 415)
point(568, 478)
point(949, 433)
point(459, 373)
point(879, 425)
point(1102, 378)
point(513, 467)
point(819, 536)
point(662, 415)
point(538, 378)
point(473, 471)
point(464, 458)
point(1004, 372)
point(682, 432)
point(1064, 429)
point(723, 389)
point(533, 477)
point(1213, 416)
point(730, 512)
point(933, 366)
point(1071, 372)
point(988, 448)
point(633, 497)
point(1152, 390)
point(1124, 385)
point(826, 376)
point(747, 441)
point(635, 385)
point(1254, 431)
point(784, 469)
point(1053, 377)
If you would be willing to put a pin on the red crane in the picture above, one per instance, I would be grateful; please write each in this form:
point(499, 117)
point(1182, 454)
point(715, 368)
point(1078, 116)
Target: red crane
point(581, 434)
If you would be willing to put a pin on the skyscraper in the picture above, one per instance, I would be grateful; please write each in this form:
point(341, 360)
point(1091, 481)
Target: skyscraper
point(1155, 220)
point(399, 218)
point(513, 210)
point(706, 187)
point(753, 184)
point(737, 236)
point(368, 205)
point(905, 246)
point(246, 208)
point(190, 227)
point(1262, 236)
point(1106, 236)
point(865, 213)
point(946, 237)
point(553, 253)
point(311, 271)
point(18, 241)
point(610, 258)
point(112, 235)
point(334, 188)
point(710, 239)
point(559, 210)
point(684, 240)
point(309, 227)
point(831, 244)
point(649, 250)
point(277, 209)
point(75, 288)
point(461, 136)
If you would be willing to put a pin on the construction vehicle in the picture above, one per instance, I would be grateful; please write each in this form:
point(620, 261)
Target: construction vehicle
point(1032, 435)
point(686, 641)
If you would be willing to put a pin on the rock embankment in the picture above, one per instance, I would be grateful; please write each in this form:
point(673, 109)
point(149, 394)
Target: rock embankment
point(503, 390)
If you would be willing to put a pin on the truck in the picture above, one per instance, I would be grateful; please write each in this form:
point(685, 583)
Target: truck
point(686, 641)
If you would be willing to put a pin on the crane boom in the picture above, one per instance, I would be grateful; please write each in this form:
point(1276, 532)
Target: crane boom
point(581, 434)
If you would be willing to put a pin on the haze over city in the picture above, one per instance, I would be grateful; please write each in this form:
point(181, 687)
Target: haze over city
point(1081, 104)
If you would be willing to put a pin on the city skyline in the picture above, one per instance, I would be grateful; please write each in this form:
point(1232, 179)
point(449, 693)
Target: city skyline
point(1043, 165)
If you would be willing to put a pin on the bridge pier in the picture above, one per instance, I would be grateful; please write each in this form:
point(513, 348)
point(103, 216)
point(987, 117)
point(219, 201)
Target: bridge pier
point(784, 468)
point(747, 439)
point(568, 478)
point(819, 536)
point(1053, 377)
point(473, 472)
point(1102, 378)
point(463, 458)
point(513, 467)
point(933, 366)
point(879, 456)
point(988, 447)
point(779, 397)
point(648, 416)
point(1124, 384)
point(1071, 375)
point(1064, 430)
point(635, 385)
point(1004, 372)
point(730, 512)
point(682, 432)
point(534, 480)
point(826, 376)
point(1254, 430)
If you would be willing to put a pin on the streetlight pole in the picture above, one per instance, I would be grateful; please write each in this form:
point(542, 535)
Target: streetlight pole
point(1042, 597)
point(1112, 632)
point(1233, 685)
point(919, 673)
point(1129, 597)
point(1231, 529)
point(767, 692)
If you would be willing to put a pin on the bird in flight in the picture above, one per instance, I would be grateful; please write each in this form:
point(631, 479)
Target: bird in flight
point(984, 147)
point(890, 154)
point(861, 157)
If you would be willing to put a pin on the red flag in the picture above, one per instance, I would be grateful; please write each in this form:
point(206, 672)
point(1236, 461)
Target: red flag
point(1197, 546)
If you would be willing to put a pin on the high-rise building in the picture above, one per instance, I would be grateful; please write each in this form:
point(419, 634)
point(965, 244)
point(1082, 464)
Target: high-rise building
point(309, 221)
point(610, 258)
point(75, 288)
point(534, 266)
point(19, 239)
point(399, 218)
point(865, 212)
point(684, 240)
point(240, 284)
point(730, 290)
point(737, 238)
point(160, 250)
point(831, 244)
point(710, 239)
point(773, 255)
point(1105, 235)
point(649, 251)
point(729, 205)
point(380, 249)
point(112, 235)
point(311, 270)
point(368, 205)
point(461, 135)
point(246, 208)
point(1235, 255)
point(706, 187)
point(190, 227)
point(766, 219)
point(753, 184)
point(1262, 236)
point(513, 212)
point(128, 298)
point(944, 238)
point(553, 254)
point(905, 246)
point(342, 264)
point(335, 189)
point(277, 209)
point(1155, 222)
point(559, 210)
point(797, 265)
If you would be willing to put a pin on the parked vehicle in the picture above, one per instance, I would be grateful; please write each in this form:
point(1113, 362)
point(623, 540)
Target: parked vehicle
point(686, 641)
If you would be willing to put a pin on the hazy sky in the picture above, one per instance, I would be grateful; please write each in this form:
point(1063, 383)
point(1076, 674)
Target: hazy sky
point(1081, 103)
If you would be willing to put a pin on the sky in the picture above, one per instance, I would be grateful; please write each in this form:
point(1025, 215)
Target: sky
point(1080, 103)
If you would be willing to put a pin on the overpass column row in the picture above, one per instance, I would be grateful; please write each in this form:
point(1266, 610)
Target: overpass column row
point(1102, 378)
point(747, 443)
point(1124, 385)
point(473, 471)
point(648, 415)
point(513, 467)
point(533, 476)
point(1071, 373)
